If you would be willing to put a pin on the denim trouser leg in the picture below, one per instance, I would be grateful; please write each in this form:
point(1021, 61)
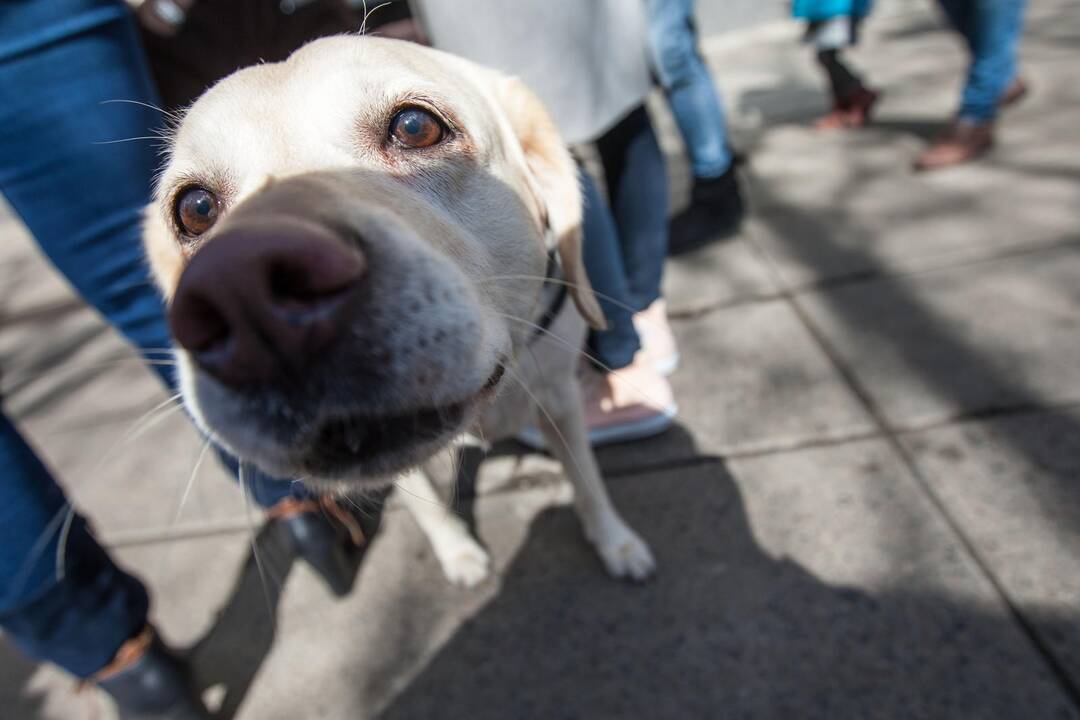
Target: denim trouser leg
point(635, 228)
point(614, 347)
point(638, 191)
point(74, 608)
point(690, 91)
point(59, 61)
point(991, 29)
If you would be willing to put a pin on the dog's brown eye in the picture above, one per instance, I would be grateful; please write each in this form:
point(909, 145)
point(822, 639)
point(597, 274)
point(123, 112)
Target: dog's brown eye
point(196, 210)
point(416, 128)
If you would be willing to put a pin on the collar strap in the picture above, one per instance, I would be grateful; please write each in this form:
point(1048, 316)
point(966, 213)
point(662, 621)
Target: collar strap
point(552, 296)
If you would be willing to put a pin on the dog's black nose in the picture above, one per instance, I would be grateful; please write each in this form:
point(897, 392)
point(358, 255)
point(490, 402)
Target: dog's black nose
point(262, 298)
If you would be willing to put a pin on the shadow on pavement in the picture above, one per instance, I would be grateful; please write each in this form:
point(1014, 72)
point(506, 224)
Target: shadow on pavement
point(725, 630)
point(920, 128)
point(15, 684)
point(229, 655)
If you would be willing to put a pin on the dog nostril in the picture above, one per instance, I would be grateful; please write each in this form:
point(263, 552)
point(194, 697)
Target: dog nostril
point(200, 326)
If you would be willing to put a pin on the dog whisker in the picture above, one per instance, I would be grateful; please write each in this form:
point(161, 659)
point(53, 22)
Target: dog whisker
point(185, 492)
point(191, 482)
point(130, 139)
point(565, 283)
point(18, 581)
point(245, 494)
point(156, 350)
point(147, 420)
point(421, 498)
point(162, 410)
point(550, 419)
point(61, 543)
point(172, 116)
point(368, 14)
point(22, 379)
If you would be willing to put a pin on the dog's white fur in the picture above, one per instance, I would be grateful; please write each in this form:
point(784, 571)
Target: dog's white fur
point(461, 233)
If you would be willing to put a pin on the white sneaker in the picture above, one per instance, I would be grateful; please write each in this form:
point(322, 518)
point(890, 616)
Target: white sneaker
point(657, 340)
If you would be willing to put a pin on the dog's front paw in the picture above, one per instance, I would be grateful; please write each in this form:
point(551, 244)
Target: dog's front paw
point(465, 562)
point(625, 554)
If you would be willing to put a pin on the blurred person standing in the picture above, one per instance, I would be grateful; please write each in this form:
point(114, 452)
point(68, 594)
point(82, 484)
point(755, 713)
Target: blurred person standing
point(991, 30)
point(74, 86)
point(716, 204)
point(588, 62)
point(833, 25)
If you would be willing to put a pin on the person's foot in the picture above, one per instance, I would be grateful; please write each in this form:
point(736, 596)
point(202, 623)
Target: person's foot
point(861, 106)
point(657, 341)
point(631, 403)
point(1014, 93)
point(716, 211)
point(329, 536)
point(965, 141)
point(852, 112)
point(148, 682)
point(835, 119)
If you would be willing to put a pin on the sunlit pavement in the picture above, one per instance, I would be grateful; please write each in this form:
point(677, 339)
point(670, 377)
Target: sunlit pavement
point(870, 506)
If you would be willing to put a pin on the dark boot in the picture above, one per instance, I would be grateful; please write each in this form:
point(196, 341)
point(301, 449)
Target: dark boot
point(329, 536)
point(716, 211)
point(148, 682)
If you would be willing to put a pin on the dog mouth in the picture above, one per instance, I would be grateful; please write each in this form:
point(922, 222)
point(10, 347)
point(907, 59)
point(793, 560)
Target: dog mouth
point(385, 443)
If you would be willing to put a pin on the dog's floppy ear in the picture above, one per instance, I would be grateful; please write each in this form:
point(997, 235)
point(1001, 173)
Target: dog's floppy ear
point(553, 179)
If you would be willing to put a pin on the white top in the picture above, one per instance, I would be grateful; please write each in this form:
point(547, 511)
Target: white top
point(586, 59)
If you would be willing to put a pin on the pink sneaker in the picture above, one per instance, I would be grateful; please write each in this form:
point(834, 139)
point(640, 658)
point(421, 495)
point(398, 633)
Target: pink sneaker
point(657, 341)
point(631, 403)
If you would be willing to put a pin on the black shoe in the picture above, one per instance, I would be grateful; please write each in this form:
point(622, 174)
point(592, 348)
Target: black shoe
point(715, 212)
point(330, 537)
point(154, 687)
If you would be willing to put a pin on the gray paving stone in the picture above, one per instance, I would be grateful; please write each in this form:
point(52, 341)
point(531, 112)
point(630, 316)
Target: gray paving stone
point(970, 339)
point(752, 377)
point(1011, 484)
point(875, 216)
point(718, 274)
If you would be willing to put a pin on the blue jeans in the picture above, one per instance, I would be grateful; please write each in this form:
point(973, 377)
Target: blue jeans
point(59, 60)
point(688, 86)
point(626, 241)
point(991, 29)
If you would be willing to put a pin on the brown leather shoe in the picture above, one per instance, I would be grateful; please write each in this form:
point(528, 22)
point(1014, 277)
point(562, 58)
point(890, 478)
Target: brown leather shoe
point(1014, 93)
point(966, 140)
point(851, 113)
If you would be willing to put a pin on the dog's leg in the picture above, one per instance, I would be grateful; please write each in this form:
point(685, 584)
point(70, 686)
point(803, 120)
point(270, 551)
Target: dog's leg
point(623, 552)
point(464, 561)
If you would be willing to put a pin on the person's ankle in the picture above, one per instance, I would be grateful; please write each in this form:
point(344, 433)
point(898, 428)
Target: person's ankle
point(133, 649)
point(147, 680)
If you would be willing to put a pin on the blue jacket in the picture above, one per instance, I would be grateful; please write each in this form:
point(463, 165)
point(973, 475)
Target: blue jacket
point(825, 9)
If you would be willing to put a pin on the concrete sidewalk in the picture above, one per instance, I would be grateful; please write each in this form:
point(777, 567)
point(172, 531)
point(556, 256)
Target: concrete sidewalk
point(870, 506)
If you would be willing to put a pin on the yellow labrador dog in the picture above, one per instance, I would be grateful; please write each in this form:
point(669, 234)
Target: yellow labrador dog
point(354, 244)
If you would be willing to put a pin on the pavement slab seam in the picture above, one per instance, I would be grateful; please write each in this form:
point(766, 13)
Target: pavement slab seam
point(922, 483)
point(798, 288)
